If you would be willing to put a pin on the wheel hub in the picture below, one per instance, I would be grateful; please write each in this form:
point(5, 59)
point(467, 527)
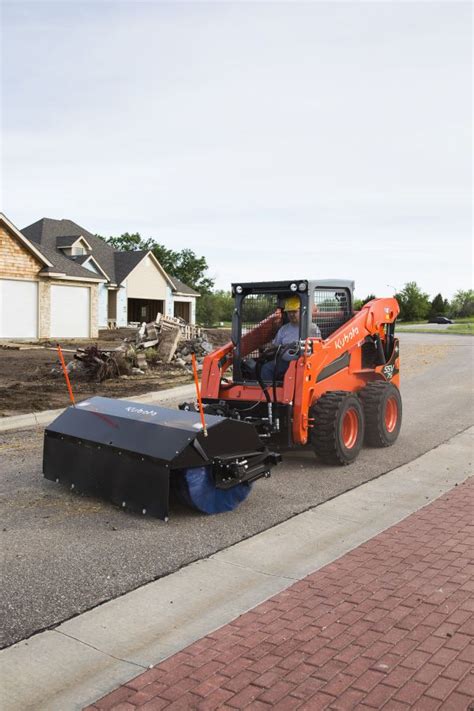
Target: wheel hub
point(350, 428)
point(391, 414)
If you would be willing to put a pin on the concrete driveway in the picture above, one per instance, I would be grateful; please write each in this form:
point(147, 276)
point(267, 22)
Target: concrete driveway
point(63, 554)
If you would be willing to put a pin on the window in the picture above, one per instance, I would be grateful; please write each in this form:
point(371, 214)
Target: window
point(331, 309)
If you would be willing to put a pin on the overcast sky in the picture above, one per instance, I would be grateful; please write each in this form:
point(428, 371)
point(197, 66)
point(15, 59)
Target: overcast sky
point(280, 140)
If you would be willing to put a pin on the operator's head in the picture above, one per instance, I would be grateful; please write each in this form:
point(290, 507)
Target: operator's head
point(292, 308)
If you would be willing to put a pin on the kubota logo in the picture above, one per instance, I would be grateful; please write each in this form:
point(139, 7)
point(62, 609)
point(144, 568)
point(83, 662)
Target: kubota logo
point(347, 337)
point(140, 411)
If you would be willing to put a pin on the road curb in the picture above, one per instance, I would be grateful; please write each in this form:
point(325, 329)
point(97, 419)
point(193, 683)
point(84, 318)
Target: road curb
point(35, 419)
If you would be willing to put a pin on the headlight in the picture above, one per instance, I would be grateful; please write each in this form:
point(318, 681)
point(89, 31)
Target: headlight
point(302, 286)
point(239, 289)
point(293, 287)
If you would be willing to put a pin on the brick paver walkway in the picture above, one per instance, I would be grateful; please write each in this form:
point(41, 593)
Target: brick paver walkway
point(387, 626)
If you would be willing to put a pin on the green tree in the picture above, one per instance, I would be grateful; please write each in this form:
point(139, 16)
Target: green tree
point(185, 265)
point(191, 269)
point(414, 304)
point(463, 303)
point(439, 306)
point(214, 307)
point(129, 242)
point(359, 303)
point(168, 259)
point(225, 304)
point(207, 310)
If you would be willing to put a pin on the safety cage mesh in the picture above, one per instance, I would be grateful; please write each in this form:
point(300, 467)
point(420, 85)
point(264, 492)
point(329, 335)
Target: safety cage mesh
point(259, 309)
point(332, 308)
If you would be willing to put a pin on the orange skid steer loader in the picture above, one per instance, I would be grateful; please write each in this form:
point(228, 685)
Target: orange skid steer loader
point(302, 368)
point(305, 369)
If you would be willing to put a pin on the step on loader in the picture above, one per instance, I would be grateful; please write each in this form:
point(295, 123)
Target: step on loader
point(302, 369)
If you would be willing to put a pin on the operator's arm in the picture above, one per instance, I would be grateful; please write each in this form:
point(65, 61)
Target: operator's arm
point(278, 340)
point(315, 331)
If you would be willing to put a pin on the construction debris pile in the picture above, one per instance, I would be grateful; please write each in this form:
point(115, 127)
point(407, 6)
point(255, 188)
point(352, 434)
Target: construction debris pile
point(95, 363)
point(200, 346)
point(167, 340)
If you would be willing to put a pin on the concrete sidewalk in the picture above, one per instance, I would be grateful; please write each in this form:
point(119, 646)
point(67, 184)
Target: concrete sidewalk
point(387, 626)
point(89, 655)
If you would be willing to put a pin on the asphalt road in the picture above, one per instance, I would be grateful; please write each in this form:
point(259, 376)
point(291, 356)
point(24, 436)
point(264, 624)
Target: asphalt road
point(63, 553)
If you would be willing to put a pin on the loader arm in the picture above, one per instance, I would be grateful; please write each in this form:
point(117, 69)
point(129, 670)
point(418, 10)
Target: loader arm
point(213, 367)
point(337, 364)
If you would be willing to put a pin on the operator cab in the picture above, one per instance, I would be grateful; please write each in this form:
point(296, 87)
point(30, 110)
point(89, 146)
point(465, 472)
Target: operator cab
point(272, 320)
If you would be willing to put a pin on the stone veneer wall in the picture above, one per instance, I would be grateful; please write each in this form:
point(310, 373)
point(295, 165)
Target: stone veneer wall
point(94, 302)
point(44, 301)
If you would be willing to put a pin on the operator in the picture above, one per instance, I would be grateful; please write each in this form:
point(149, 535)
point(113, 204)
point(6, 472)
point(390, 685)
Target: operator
point(288, 335)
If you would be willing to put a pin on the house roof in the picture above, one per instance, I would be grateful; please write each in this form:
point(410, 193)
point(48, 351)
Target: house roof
point(69, 240)
point(54, 262)
point(125, 262)
point(66, 266)
point(83, 259)
point(45, 232)
point(80, 258)
point(65, 241)
point(49, 234)
point(182, 288)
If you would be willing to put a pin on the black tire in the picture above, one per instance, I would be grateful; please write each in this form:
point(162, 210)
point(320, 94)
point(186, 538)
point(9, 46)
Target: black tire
point(332, 440)
point(382, 405)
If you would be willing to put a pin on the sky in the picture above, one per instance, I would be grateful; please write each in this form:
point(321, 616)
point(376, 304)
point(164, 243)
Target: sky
point(281, 140)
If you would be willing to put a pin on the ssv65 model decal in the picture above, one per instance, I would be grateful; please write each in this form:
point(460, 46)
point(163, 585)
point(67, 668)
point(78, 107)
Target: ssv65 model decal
point(388, 370)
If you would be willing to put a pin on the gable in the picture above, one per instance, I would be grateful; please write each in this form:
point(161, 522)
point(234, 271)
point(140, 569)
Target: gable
point(16, 260)
point(46, 232)
point(147, 280)
point(88, 262)
point(90, 265)
point(73, 245)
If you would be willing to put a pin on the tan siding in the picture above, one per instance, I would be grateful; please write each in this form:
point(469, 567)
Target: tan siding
point(146, 282)
point(15, 260)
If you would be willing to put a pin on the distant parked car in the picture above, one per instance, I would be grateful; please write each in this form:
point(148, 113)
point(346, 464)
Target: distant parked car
point(440, 319)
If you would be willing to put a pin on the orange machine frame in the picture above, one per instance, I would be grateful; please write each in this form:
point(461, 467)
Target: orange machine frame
point(302, 386)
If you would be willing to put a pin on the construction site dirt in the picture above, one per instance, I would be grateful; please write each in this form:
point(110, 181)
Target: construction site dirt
point(28, 383)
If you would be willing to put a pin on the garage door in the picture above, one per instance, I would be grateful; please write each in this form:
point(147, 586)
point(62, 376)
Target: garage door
point(18, 309)
point(70, 312)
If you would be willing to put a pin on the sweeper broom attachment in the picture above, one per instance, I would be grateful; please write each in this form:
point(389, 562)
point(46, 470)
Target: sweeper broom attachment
point(134, 454)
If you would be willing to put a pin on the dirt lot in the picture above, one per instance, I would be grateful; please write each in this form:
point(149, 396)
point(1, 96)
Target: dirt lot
point(28, 385)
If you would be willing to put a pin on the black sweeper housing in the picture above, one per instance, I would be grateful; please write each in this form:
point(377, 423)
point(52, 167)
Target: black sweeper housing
point(133, 454)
